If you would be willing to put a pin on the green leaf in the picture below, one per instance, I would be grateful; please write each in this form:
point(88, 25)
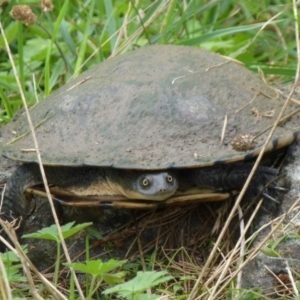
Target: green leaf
point(36, 49)
point(95, 233)
point(114, 278)
point(269, 251)
point(14, 274)
point(11, 31)
point(222, 32)
point(10, 256)
point(51, 233)
point(146, 297)
point(13, 267)
point(139, 284)
point(65, 32)
point(96, 267)
point(111, 23)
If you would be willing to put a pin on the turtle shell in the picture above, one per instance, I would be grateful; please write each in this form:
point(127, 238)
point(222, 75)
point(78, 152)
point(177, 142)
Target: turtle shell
point(154, 108)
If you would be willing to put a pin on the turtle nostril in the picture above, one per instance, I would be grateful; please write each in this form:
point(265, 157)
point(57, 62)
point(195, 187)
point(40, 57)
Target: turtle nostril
point(162, 190)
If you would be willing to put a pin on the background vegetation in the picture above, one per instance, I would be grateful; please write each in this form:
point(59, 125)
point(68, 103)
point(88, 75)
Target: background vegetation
point(67, 38)
point(75, 35)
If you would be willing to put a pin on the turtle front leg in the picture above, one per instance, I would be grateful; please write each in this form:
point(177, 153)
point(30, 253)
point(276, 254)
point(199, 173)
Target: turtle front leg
point(228, 177)
point(15, 202)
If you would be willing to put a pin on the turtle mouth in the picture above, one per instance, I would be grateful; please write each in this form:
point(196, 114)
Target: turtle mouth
point(157, 196)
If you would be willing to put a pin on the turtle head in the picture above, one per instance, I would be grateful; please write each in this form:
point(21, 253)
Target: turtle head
point(156, 186)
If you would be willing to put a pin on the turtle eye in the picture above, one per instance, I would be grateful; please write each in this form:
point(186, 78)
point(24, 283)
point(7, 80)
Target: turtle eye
point(169, 179)
point(145, 182)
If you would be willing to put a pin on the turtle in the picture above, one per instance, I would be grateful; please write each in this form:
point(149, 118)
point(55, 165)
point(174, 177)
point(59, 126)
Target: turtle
point(146, 128)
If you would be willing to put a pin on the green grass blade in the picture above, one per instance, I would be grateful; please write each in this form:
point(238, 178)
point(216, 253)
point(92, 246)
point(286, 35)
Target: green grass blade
point(85, 38)
point(56, 29)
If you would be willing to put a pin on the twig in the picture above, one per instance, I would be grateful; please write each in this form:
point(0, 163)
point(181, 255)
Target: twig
point(292, 281)
point(242, 248)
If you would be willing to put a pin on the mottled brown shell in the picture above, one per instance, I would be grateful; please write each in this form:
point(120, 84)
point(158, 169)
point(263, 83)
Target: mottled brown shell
point(153, 108)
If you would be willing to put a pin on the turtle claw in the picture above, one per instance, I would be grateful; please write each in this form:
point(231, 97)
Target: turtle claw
point(267, 196)
point(278, 188)
point(274, 187)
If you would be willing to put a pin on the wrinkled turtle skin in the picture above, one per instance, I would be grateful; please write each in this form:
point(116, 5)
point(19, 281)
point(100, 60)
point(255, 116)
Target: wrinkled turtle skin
point(149, 119)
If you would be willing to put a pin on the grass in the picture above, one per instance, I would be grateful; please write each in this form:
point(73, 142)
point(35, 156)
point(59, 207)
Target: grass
point(75, 35)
